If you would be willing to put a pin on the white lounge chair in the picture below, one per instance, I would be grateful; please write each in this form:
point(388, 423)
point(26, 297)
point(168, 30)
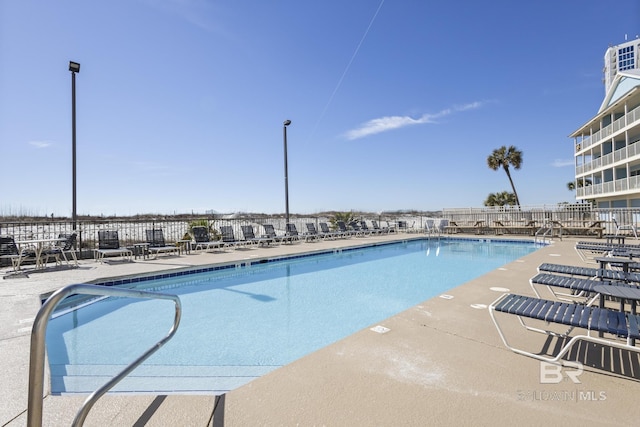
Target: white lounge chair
point(157, 244)
point(203, 239)
point(109, 245)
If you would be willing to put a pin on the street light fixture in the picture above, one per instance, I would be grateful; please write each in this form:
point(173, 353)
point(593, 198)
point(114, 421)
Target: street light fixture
point(74, 67)
point(286, 177)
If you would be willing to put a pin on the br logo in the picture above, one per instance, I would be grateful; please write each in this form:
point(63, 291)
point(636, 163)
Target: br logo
point(552, 373)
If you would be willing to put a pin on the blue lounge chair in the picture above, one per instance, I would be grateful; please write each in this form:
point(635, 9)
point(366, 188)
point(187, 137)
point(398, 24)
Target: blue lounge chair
point(580, 288)
point(602, 273)
point(590, 318)
point(589, 250)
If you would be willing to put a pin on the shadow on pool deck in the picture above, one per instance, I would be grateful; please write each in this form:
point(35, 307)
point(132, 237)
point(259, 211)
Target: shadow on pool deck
point(441, 363)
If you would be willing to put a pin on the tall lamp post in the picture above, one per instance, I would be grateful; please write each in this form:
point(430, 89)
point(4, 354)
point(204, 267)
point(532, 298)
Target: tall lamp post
point(286, 177)
point(74, 67)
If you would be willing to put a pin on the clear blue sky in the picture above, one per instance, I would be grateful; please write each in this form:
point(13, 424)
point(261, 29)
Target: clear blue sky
point(394, 104)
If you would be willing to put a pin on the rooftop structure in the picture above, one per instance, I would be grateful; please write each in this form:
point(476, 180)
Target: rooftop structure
point(622, 57)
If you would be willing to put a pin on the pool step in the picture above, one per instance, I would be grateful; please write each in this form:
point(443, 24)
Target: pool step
point(160, 379)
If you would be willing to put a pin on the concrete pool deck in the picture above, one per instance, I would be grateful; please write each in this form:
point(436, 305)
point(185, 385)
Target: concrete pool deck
point(441, 362)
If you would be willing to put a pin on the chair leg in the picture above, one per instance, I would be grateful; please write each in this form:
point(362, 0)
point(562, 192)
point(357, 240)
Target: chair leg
point(73, 255)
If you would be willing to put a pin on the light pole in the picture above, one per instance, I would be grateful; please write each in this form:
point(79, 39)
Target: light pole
point(74, 67)
point(286, 177)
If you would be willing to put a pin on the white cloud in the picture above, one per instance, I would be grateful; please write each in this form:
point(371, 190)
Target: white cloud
point(40, 144)
point(384, 124)
point(559, 163)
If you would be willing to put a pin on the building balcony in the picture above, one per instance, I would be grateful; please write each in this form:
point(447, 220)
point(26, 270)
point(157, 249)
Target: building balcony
point(609, 160)
point(618, 187)
point(628, 119)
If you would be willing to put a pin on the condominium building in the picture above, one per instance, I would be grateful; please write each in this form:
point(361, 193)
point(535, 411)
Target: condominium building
point(607, 147)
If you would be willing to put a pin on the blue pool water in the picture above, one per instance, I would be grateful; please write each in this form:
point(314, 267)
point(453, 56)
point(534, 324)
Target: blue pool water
point(240, 323)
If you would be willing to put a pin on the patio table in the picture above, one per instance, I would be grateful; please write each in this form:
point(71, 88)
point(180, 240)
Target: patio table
point(624, 293)
point(615, 260)
point(39, 247)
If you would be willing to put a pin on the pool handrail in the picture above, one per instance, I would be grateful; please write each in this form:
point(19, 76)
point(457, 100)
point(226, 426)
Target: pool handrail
point(37, 351)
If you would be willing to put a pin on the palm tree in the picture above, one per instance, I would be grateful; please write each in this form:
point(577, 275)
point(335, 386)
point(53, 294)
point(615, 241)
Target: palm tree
point(500, 199)
point(504, 157)
point(346, 217)
point(582, 182)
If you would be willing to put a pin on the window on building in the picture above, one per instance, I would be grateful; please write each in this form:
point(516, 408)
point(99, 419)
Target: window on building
point(626, 60)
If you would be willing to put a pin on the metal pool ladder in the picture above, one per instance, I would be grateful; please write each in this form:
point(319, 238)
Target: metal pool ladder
point(38, 333)
point(546, 231)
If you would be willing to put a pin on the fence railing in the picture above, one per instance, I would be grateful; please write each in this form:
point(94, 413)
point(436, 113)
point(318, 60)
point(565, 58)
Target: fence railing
point(570, 215)
point(133, 230)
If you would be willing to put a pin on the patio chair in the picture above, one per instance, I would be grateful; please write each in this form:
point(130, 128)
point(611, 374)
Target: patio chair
point(573, 315)
point(157, 244)
point(64, 247)
point(250, 236)
point(228, 237)
point(203, 239)
point(109, 245)
point(625, 227)
point(9, 251)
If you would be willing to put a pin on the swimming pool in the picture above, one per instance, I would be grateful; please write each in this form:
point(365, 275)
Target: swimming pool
point(239, 323)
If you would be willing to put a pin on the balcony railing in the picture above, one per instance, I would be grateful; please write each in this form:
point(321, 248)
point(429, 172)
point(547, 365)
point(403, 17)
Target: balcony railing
point(623, 154)
point(609, 188)
point(628, 119)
